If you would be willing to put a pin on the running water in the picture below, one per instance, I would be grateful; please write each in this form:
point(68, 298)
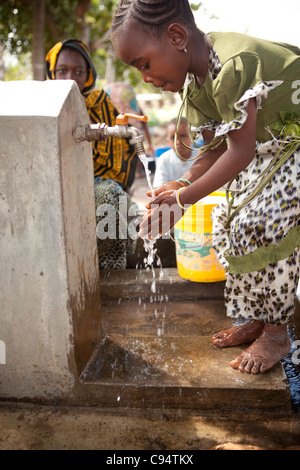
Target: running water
point(144, 161)
point(149, 244)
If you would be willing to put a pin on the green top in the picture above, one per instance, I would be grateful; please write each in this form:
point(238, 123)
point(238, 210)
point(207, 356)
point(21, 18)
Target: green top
point(245, 63)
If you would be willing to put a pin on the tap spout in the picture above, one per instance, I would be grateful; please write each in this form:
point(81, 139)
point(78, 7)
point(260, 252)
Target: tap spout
point(122, 130)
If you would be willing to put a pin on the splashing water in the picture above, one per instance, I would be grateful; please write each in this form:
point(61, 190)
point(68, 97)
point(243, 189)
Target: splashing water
point(149, 247)
point(149, 244)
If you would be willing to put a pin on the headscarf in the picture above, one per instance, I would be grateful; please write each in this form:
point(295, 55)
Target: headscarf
point(114, 158)
point(80, 46)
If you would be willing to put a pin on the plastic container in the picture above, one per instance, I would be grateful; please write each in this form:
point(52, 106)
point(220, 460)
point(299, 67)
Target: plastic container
point(195, 255)
point(159, 151)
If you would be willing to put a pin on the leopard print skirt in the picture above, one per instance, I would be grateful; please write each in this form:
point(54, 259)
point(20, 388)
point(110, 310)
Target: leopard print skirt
point(269, 293)
point(114, 213)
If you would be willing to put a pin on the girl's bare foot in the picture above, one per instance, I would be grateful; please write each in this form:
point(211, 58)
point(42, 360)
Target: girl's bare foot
point(272, 345)
point(237, 335)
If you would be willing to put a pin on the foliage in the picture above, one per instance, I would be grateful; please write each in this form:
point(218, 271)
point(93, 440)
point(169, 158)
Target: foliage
point(62, 22)
point(288, 125)
point(65, 19)
point(15, 33)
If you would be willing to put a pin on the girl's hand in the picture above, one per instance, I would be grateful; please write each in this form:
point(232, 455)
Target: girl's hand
point(172, 185)
point(163, 212)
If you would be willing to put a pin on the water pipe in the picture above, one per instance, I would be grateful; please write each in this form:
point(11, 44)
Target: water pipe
point(121, 130)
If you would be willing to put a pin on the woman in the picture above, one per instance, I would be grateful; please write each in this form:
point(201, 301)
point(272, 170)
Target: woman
point(114, 159)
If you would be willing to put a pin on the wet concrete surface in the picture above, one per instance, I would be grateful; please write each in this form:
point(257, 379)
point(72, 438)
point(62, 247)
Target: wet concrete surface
point(160, 354)
point(160, 426)
point(157, 370)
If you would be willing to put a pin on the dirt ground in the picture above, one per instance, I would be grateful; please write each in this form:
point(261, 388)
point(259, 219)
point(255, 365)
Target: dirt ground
point(36, 427)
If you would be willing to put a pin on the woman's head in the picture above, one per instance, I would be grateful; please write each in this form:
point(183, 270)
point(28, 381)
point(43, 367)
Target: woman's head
point(153, 36)
point(71, 60)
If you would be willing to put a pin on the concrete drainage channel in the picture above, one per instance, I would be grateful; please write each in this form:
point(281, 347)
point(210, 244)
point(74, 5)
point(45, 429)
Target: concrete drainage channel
point(157, 352)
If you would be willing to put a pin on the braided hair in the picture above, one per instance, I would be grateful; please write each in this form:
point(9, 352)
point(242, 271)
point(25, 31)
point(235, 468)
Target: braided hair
point(154, 15)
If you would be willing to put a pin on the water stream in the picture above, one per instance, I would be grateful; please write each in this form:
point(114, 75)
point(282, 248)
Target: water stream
point(149, 244)
point(144, 160)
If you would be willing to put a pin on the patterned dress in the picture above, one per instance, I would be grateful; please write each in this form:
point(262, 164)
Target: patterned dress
point(256, 232)
point(114, 168)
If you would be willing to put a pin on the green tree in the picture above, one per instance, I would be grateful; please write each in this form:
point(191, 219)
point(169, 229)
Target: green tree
point(34, 26)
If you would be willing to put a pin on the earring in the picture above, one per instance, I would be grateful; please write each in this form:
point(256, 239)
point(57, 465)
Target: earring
point(185, 50)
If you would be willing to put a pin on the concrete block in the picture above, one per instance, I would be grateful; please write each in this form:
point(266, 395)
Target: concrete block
point(50, 300)
point(161, 356)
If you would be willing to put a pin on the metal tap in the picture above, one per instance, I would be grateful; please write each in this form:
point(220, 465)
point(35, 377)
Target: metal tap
point(121, 130)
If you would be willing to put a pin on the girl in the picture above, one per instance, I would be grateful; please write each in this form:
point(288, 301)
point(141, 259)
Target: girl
point(243, 96)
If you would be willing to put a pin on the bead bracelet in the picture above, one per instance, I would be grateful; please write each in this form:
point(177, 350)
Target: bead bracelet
point(183, 179)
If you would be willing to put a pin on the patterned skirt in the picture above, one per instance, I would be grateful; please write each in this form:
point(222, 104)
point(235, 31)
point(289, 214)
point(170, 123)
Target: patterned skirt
point(259, 229)
point(114, 213)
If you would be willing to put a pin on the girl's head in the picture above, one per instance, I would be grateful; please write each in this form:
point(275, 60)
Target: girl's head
point(71, 60)
point(153, 36)
point(154, 15)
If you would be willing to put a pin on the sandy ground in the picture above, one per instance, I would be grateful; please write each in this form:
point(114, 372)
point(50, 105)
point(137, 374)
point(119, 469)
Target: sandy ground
point(29, 427)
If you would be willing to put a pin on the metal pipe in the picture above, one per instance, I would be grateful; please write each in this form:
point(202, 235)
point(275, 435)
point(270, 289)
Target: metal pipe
point(101, 131)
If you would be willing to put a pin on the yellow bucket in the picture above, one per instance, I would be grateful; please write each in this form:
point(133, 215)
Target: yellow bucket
point(195, 255)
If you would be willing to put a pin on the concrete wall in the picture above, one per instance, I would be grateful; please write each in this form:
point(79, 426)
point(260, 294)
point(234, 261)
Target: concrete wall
point(50, 317)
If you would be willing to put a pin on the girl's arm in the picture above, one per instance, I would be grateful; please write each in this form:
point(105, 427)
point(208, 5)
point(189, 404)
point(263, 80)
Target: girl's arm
point(240, 153)
point(206, 159)
point(201, 165)
point(211, 171)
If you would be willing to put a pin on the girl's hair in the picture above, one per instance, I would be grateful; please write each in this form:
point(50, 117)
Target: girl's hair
point(155, 15)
